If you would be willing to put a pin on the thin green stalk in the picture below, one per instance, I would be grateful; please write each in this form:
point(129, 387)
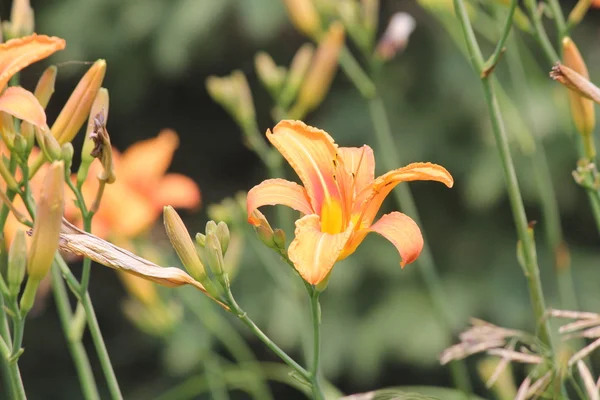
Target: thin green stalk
point(80, 358)
point(216, 382)
point(11, 369)
point(16, 382)
point(495, 57)
point(96, 333)
point(559, 18)
point(539, 32)
point(315, 312)
point(87, 262)
point(514, 193)
point(594, 197)
point(356, 74)
point(237, 311)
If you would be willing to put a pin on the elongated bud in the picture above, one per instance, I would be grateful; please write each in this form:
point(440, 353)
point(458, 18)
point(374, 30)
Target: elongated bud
point(582, 109)
point(223, 236)
point(182, 243)
point(7, 129)
point(211, 227)
point(200, 239)
point(233, 93)
point(263, 228)
point(269, 73)
point(17, 263)
point(76, 110)
point(21, 20)
point(580, 10)
point(279, 238)
point(370, 13)
point(10, 180)
point(214, 255)
point(304, 17)
point(67, 152)
point(46, 228)
point(321, 74)
point(20, 146)
point(102, 149)
point(298, 69)
point(45, 86)
point(48, 144)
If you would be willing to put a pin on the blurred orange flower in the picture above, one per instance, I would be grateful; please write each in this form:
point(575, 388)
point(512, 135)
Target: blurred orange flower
point(136, 199)
point(340, 199)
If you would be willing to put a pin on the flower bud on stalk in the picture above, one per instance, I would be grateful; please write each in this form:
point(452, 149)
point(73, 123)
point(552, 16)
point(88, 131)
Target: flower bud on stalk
point(21, 20)
point(7, 129)
point(321, 73)
point(17, 263)
point(67, 152)
point(43, 91)
point(77, 108)
point(582, 109)
point(201, 240)
point(263, 228)
point(98, 111)
point(46, 231)
point(304, 16)
point(298, 69)
point(233, 93)
point(269, 73)
point(214, 254)
point(49, 145)
point(223, 236)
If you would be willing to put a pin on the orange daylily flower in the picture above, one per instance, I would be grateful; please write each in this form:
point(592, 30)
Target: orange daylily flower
point(15, 55)
point(340, 199)
point(136, 199)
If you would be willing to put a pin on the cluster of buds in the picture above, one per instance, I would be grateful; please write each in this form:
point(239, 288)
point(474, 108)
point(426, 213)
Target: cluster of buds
point(21, 21)
point(212, 246)
point(483, 337)
point(233, 93)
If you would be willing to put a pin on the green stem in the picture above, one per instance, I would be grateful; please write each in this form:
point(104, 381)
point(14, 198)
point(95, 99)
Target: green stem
point(80, 358)
point(356, 74)
point(237, 311)
point(514, 193)
point(594, 197)
point(539, 32)
point(96, 333)
point(495, 57)
point(15, 380)
point(559, 18)
point(87, 262)
point(11, 369)
point(426, 263)
point(315, 312)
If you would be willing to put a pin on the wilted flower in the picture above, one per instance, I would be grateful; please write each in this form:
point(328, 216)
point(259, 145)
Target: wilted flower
point(340, 199)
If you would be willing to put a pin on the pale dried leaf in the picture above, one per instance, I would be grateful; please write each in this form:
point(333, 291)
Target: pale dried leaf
point(588, 381)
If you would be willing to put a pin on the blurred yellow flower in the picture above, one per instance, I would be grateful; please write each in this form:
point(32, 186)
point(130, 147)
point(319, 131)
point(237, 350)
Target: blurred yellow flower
point(340, 199)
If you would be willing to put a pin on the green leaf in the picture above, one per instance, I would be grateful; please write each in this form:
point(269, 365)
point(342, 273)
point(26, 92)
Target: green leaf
point(414, 393)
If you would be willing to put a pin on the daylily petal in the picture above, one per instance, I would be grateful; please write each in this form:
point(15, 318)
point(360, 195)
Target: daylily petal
point(23, 105)
point(312, 153)
point(314, 252)
point(369, 200)
point(277, 191)
point(17, 54)
point(360, 162)
point(144, 162)
point(178, 191)
point(403, 232)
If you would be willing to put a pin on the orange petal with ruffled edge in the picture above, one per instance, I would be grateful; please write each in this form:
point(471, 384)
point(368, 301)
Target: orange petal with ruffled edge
point(146, 161)
point(369, 200)
point(314, 252)
point(23, 105)
point(312, 153)
point(277, 192)
point(178, 191)
point(404, 234)
point(360, 163)
point(17, 54)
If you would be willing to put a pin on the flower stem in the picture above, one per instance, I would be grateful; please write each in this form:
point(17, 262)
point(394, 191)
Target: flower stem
point(539, 32)
point(237, 311)
point(11, 369)
point(514, 193)
point(315, 312)
point(80, 358)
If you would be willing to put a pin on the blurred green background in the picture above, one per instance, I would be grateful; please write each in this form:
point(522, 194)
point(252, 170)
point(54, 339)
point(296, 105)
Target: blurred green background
point(379, 328)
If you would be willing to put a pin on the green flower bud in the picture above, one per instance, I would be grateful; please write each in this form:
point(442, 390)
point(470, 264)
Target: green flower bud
point(223, 236)
point(17, 263)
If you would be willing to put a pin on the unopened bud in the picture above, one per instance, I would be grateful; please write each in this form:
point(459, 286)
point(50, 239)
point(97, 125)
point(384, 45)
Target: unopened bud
point(67, 154)
point(223, 236)
point(263, 228)
point(321, 73)
point(7, 129)
point(46, 228)
point(211, 227)
point(370, 12)
point(76, 110)
point(21, 19)
point(27, 131)
point(182, 243)
point(298, 69)
point(269, 73)
point(49, 145)
point(17, 263)
point(279, 238)
point(233, 93)
point(200, 239)
point(45, 86)
point(304, 17)
point(214, 255)
point(20, 146)
point(582, 109)
point(396, 35)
